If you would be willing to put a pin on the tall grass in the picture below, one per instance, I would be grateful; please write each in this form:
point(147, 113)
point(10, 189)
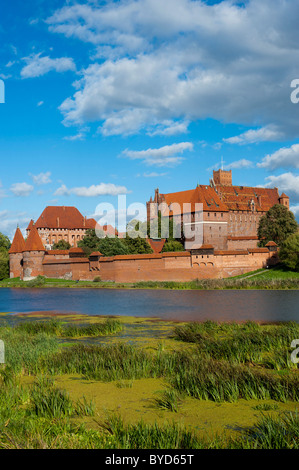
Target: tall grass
point(109, 362)
point(49, 401)
point(242, 343)
point(55, 327)
point(145, 436)
point(208, 379)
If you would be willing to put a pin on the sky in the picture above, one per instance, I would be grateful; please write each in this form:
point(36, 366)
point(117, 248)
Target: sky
point(116, 98)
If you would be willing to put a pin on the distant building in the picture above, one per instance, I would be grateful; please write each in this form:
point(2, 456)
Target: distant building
point(58, 223)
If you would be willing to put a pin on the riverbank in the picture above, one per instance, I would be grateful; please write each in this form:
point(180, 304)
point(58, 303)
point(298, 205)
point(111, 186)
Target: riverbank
point(276, 278)
point(146, 384)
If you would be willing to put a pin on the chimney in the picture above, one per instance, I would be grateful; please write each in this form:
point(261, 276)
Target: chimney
point(57, 220)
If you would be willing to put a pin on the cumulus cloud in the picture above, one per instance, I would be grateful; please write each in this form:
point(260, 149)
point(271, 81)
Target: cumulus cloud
point(243, 163)
point(287, 183)
point(163, 156)
point(42, 178)
point(184, 60)
point(21, 189)
point(37, 66)
point(285, 157)
point(264, 134)
point(102, 189)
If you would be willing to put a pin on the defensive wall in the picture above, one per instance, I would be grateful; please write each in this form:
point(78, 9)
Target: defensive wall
point(178, 266)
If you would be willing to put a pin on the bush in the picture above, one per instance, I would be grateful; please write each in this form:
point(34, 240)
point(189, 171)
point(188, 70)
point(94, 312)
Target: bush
point(39, 281)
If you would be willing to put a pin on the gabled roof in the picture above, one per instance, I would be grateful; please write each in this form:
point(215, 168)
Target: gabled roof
point(202, 194)
point(65, 217)
point(33, 242)
point(18, 243)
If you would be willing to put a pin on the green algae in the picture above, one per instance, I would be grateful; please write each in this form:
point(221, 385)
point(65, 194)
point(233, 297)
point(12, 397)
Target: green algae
point(137, 402)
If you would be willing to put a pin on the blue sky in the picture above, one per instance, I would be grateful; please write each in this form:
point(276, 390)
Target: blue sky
point(104, 98)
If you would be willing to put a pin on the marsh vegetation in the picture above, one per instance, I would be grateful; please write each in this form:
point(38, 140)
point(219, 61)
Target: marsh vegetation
point(217, 364)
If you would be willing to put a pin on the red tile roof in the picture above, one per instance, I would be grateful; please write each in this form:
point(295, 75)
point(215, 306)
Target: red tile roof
point(33, 242)
point(239, 198)
point(202, 194)
point(18, 243)
point(62, 217)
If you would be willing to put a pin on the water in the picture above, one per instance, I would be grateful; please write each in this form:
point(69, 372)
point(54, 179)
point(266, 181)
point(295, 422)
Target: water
point(219, 305)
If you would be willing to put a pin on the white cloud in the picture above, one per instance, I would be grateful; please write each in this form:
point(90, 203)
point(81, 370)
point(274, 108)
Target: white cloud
point(102, 189)
point(40, 103)
point(264, 134)
point(42, 178)
point(153, 174)
point(295, 210)
point(10, 220)
point(37, 66)
point(21, 189)
point(243, 163)
point(286, 157)
point(184, 60)
point(163, 156)
point(170, 128)
point(287, 183)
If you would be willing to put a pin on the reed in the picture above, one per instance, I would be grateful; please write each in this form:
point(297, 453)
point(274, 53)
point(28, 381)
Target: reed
point(109, 327)
point(145, 436)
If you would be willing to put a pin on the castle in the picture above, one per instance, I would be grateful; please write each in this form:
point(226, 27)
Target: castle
point(229, 221)
point(230, 214)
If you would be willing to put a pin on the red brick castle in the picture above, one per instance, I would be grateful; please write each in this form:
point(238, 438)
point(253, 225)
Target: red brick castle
point(229, 223)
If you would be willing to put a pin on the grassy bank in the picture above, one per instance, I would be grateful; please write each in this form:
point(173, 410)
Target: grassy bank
point(69, 384)
point(274, 278)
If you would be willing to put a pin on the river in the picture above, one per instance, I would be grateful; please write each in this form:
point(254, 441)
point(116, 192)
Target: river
point(179, 305)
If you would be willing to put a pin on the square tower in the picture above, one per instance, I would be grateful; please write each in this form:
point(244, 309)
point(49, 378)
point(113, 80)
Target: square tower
point(223, 177)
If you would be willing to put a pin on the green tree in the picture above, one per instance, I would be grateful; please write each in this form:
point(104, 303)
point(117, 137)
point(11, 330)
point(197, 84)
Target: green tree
point(4, 256)
point(137, 245)
point(4, 264)
point(112, 247)
point(172, 245)
point(4, 242)
point(90, 242)
point(61, 245)
point(276, 225)
point(289, 252)
point(108, 246)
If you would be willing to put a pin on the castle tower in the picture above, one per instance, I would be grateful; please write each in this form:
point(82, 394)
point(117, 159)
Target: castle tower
point(284, 200)
point(16, 255)
point(223, 177)
point(33, 256)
